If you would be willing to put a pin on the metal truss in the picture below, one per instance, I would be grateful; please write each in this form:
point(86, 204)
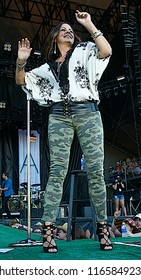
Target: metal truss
point(136, 55)
point(47, 13)
point(131, 31)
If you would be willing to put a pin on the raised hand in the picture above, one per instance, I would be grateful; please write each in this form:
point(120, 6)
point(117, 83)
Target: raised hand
point(83, 17)
point(24, 49)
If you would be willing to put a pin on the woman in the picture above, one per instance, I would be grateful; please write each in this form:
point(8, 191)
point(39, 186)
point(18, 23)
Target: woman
point(68, 83)
point(119, 189)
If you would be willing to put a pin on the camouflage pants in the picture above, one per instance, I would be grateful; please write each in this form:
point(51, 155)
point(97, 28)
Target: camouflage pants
point(89, 130)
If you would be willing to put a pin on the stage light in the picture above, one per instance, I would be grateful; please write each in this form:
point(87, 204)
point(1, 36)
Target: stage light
point(7, 47)
point(2, 105)
point(120, 78)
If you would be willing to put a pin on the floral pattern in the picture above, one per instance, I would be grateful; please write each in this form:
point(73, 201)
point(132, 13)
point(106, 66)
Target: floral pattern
point(45, 87)
point(81, 76)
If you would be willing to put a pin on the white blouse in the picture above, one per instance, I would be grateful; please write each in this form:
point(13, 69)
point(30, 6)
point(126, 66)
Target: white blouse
point(84, 72)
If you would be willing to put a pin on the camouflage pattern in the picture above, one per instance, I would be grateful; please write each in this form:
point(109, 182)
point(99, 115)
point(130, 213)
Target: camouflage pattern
point(90, 134)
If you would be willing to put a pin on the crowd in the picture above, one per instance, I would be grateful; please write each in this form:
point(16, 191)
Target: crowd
point(129, 167)
point(60, 232)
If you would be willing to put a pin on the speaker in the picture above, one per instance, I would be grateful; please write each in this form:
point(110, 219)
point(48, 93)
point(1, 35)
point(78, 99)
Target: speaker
point(35, 213)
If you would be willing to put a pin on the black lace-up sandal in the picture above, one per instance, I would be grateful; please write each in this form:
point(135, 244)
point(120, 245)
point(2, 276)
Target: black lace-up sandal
point(49, 245)
point(103, 235)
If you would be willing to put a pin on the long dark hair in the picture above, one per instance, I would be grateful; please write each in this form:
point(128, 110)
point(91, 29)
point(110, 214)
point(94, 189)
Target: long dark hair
point(52, 51)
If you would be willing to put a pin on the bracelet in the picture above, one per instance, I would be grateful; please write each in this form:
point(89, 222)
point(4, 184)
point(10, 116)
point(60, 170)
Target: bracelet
point(96, 34)
point(20, 65)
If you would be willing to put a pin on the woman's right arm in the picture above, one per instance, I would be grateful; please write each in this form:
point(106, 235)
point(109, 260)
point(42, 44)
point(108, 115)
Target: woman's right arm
point(24, 52)
point(114, 186)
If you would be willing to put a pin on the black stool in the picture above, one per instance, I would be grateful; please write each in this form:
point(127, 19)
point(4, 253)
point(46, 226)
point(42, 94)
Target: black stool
point(72, 205)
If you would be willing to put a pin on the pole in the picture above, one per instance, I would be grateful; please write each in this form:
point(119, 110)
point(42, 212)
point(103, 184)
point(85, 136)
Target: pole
point(28, 169)
point(28, 241)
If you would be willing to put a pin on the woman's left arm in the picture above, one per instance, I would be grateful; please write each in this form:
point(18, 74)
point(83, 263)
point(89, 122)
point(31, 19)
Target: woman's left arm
point(102, 44)
point(123, 186)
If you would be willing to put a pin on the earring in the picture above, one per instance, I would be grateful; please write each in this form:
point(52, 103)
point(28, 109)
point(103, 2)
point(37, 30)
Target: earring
point(54, 47)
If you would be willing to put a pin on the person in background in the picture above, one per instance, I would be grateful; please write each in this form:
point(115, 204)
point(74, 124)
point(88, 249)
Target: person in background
point(133, 225)
point(6, 192)
point(68, 83)
point(130, 167)
point(80, 233)
point(136, 167)
point(119, 188)
point(115, 227)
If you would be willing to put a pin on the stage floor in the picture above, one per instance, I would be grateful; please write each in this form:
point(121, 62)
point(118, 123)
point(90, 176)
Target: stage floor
point(80, 249)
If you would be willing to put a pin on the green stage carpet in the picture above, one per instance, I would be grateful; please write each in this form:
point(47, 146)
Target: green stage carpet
point(82, 249)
